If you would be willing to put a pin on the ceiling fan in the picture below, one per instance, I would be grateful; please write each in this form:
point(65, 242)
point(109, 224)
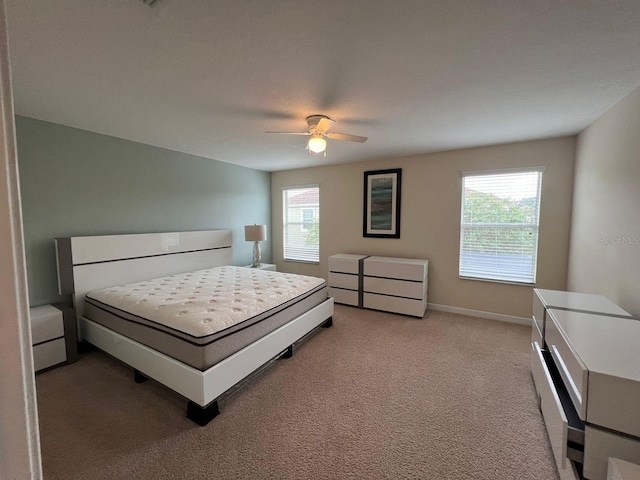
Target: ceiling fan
point(318, 126)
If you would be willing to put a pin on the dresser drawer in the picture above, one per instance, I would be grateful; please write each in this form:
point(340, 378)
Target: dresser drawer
point(608, 348)
point(555, 419)
point(602, 444)
point(345, 263)
point(539, 313)
point(573, 372)
point(406, 306)
point(399, 268)
point(398, 288)
point(346, 297)
point(343, 280)
point(536, 334)
point(537, 370)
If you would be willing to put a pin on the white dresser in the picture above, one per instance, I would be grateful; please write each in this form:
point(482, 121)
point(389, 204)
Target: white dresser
point(391, 284)
point(396, 285)
point(578, 302)
point(587, 377)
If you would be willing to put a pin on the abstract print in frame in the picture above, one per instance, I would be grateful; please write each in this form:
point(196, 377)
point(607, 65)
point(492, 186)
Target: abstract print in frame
point(382, 203)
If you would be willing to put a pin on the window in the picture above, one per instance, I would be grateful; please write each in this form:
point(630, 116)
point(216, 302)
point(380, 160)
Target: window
point(499, 225)
point(301, 223)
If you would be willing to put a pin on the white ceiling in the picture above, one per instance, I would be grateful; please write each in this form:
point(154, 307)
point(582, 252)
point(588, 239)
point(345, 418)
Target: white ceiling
point(209, 77)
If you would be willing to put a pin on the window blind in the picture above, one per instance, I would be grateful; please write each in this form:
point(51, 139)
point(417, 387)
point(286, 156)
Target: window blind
point(301, 223)
point(499, 225)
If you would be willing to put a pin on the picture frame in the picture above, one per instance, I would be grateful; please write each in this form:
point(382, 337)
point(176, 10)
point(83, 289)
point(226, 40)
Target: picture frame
point(382, 195)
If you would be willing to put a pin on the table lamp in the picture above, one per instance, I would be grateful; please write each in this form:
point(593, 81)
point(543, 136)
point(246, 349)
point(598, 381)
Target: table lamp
point(256, 234)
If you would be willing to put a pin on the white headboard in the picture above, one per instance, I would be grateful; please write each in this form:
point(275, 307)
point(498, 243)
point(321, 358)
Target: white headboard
point(90, 263)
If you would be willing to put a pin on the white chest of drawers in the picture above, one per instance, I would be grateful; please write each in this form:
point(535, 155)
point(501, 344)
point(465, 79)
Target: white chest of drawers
point(588, 382)
point(578, 302)
point(345, 278)
point(391, 284)
point(396, 285)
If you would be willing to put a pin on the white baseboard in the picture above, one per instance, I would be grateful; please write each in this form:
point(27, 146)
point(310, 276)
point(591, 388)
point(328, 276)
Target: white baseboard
point(478, 313)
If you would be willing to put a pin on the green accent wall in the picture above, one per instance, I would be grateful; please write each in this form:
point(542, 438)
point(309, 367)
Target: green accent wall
point(74, 182)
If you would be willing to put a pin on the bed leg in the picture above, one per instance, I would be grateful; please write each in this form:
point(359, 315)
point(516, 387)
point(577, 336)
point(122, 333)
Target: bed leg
point(139, 377)
point(202, 415)
point(328, 323)
point(84, 347)
point(288, 353)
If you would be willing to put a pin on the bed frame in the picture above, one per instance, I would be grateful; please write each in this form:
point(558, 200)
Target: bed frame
point(90, 263)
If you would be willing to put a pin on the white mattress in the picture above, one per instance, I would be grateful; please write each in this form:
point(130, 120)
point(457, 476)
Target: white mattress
point(204, 316)
point(208, 301)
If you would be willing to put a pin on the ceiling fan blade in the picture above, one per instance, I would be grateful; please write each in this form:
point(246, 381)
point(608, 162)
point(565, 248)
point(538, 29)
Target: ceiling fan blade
point(344, 136)
point(291, 133)
point(324, 124)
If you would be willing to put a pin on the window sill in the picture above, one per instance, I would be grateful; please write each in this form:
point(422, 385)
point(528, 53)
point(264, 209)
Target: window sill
point(491, 280)
point(310, 262)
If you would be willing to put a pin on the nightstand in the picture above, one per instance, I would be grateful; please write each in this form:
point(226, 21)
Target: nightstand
point(264, 266)
point(54, 336)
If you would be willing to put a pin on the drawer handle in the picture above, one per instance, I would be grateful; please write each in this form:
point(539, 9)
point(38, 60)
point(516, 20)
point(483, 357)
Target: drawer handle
point(566, 377)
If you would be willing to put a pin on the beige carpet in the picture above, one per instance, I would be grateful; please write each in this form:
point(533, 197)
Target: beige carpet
point(378, 396)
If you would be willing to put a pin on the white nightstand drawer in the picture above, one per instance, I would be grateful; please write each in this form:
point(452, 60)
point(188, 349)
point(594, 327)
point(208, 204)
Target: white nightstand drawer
point(46, 323)
point(346, 297)
point(49, 353)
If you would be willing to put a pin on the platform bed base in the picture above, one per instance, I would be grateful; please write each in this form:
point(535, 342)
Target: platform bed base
point(203, 388)
point(203, 415)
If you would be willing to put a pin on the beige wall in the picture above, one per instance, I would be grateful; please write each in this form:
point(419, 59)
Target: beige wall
point(431, 218)
point(605, 239)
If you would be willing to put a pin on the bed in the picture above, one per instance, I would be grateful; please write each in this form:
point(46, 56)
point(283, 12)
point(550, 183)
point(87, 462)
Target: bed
point(171, 306)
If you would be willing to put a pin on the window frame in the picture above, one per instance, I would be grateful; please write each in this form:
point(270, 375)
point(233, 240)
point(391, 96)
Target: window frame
point(304, 226)
point(495, 274)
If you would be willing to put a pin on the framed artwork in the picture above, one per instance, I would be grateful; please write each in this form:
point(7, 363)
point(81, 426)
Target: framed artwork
point(382, 203)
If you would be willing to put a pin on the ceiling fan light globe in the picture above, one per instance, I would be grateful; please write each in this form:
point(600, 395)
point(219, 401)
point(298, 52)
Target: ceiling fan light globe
point(317, 144)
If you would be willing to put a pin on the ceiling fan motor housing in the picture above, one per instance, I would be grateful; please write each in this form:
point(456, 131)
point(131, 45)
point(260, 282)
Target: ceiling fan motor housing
point(313, 120)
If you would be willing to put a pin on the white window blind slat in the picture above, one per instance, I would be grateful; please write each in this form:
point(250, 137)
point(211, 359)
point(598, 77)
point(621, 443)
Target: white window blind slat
point(301, 225)
point(499, 226)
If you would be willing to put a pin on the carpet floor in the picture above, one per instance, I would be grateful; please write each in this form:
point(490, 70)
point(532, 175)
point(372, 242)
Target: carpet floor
point(378, 396)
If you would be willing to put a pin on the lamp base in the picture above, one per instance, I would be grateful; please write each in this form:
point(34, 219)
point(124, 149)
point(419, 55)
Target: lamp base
point(257, 255)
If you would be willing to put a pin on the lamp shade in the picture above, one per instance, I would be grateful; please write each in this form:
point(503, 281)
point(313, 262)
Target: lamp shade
point(317, 144)
point(255, 233)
